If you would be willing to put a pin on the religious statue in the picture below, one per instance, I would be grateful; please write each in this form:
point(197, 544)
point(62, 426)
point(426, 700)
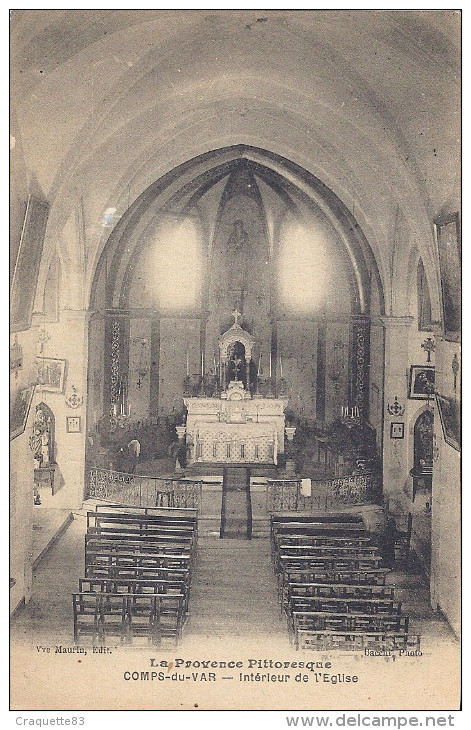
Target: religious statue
point(237, 363)
point(39, 441)
point(237, 246)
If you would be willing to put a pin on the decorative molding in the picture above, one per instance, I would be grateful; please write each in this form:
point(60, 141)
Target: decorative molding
point(74, 400)
point(395, 409)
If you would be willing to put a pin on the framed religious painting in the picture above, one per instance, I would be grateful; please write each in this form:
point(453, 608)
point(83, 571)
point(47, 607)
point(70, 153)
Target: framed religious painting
point(20, 405)
point(51, 374)
point(421, 382)
point(447, 231)
point(450, 418)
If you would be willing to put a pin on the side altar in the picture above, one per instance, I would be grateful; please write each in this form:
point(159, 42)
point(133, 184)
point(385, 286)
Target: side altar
point(235, 427)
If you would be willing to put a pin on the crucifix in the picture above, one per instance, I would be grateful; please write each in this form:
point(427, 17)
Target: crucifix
point(237, 362)
point(428, 346)
point(43, 337)
point(236, 314)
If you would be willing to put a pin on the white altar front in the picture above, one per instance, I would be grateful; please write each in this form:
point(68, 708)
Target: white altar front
point(235, 427)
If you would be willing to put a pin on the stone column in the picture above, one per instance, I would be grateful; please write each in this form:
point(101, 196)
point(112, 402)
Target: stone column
point(396, 362)
point(360, 364)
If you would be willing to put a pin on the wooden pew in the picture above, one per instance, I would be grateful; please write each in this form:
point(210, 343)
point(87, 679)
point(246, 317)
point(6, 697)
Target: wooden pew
point(334, 604)
point(190, 512)
point(376, 576)
point(316, 540)
point(126, 572)
point(325, 621)
point(159, 530)
point(382, 641)
point(127, 616)
point(340, 590)
point(321, 540)
point(324, 563)
point(122, 559)
point(316, 517)
point(177, 517)
point(121, 585)
point(142, 543)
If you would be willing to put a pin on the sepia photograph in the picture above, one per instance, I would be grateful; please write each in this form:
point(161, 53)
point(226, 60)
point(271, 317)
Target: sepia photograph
point(235, 360)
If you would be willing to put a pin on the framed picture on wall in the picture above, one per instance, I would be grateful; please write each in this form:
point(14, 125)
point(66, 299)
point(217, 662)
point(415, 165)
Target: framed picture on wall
point(450, 418)
point(397, 430)
point(421, 382)
point(20, 405)
point(51, 374)
point(447, 231)
point(74, 424)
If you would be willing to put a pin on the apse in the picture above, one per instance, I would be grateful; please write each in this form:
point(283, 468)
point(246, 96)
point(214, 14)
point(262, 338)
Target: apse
point(239, 241)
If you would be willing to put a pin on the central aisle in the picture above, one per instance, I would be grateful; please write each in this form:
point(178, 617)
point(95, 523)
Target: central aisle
point(233, 591)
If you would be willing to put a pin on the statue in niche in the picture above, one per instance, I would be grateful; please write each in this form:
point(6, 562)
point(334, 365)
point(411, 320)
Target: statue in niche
point(41, 440)
point(237, 247)
point(237, 365)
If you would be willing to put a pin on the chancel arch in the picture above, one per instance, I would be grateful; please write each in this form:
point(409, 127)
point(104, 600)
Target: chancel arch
point(249, 240)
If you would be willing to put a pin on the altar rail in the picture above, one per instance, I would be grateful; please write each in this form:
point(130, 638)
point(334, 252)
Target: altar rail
point(287, 495)
point(136, 490)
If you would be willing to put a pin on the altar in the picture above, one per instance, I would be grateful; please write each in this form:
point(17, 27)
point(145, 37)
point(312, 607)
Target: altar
point(236, 424)
point(235, 427)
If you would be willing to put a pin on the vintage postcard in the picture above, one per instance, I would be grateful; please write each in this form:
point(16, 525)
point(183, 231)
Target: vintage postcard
point(235, 360)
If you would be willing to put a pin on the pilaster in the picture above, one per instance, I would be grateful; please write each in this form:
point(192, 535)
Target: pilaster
point(396, 364)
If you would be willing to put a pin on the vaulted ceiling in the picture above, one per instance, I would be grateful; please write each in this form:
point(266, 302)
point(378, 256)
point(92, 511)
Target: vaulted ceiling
point(106, 102)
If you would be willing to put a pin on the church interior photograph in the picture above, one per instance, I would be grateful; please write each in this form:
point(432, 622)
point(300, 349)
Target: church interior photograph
point(235, 344)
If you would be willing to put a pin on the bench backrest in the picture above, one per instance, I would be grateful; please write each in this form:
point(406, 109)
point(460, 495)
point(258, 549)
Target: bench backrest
point(340, 590)
point(323, 620)
point(344, 605)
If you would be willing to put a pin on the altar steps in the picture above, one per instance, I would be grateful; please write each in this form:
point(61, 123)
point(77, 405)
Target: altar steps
point(236, 506)
point(217, 468)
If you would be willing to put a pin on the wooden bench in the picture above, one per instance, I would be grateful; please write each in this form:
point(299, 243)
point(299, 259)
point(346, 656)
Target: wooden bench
point(316, 540)
point(321, 540)
point(143, 523)
point(317, 517)
point(376, 576)
point(117, 572)
point(324, 563)
point(340, 590)
point(122, 559)
point(127, 616)
point(325, 621)
point(170, 516)
point(333, 604)
point(144, 543)
point(356, 641)
point(190, 512)
point(121, 585)
point(325, 529)
point(116, 532)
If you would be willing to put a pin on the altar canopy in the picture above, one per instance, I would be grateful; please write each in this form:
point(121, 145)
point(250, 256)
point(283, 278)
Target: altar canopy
point(235, 427)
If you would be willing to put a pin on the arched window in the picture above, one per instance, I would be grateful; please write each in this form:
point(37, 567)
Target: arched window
point(424, 314)
point(304, 268)
point(177, 265)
